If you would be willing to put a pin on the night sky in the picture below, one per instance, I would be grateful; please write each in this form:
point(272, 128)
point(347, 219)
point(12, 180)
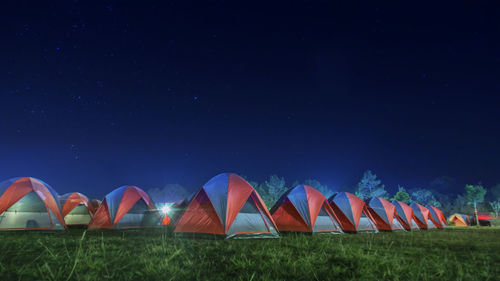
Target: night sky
point(95, 95)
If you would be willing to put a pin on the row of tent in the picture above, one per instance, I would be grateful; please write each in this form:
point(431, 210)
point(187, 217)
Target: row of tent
point(226, 205)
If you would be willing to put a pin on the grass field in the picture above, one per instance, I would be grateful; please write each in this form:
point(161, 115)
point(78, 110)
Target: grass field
point(451, 254)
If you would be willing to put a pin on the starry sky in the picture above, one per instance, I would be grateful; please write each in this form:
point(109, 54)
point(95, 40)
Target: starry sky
point(99, 94)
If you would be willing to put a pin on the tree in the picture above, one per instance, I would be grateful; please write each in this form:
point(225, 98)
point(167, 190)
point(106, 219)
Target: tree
point(370, 186)
point(495, 205)
point(402, 195)
point(324, 189)
point(475, 194)
point(424, 197)
point(460, 204)
point(494, 192)
point(276, 187)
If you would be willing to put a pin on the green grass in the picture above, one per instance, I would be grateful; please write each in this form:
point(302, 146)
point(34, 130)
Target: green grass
point(453, 254)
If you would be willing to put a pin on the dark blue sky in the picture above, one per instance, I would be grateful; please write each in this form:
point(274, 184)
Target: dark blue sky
point(100, 94)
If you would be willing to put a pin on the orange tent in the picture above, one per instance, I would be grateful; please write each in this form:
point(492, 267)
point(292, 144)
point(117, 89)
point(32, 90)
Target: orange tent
point(436, 216)
point(29, 204)
point(304, 209)
point(384, 215)
point(404, 213)
point(421, 216)
point(228, 206)
point(124, 208)
point(76, 209)
point(352, 213)
point(460, 220)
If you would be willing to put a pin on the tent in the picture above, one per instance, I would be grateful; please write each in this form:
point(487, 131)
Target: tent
point(460, 219)
point(384, 215)
point(126, 207)
point(436, 216)
point(352, 213)
point(404, 213)
point(421, 216)
point(76, 209)
point(304, 209)
point(229, 207)
point(29, 204)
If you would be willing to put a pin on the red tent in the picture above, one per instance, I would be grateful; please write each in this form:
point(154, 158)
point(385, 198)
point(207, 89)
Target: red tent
point(76, 209)
point(421, 216)
point(384, 215)
point(29, 204)
point(404, 213)
point(124, 208)
point(227, 206)
point(436, 216)
point(304, 209)
point(352, 213)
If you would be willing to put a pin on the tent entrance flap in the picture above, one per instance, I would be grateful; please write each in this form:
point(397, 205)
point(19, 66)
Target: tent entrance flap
point(78, 216)
point(365, 224)
point(29, 212)
point(396, 225)
point(249, 220)
point(430, 224)
point(414, 225)
point(324, 222)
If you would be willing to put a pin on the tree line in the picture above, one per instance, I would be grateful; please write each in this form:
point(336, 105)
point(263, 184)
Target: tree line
point(471, 196)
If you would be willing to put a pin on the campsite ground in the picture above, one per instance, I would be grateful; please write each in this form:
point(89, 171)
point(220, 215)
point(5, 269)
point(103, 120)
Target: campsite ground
point(471, 253)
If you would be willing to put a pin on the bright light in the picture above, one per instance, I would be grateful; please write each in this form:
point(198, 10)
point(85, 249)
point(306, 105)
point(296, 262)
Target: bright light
point(165, 209)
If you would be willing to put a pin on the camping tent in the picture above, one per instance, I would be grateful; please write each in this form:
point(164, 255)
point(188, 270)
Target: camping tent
point(436, 216)
point(404, 213)
point(304, 209)
point(352, 213)
point(421, 216)
point(29, 204)
point(384, 215)
point(227, 206)
point(76, 209)
point(124, 208)
point(460, 219)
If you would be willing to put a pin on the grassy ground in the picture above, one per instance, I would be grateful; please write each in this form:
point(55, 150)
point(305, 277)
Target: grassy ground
point(451, 254)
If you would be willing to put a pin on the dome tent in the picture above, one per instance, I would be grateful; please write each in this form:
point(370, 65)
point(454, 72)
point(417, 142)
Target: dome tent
point(384, 215)
point(76, 209)
point(460, 219)
point(304, 209)
point(421, 216)
point(352, 213)
point(436, 216)
point(404, 213)
point(29, 204)
point(126, 207)
point(227, 206)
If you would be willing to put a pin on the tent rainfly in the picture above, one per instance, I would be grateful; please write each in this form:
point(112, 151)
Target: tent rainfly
point(421, 216)
point(29, 204)
point(436, 216)
point(384, 215)
point(76, 209)
point(126, 207)
point(352, 213)
point(304, 209)
point(227, 206)
point(404, 213)
point(460, 219)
